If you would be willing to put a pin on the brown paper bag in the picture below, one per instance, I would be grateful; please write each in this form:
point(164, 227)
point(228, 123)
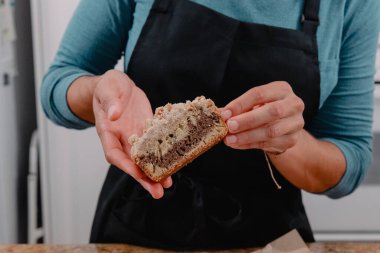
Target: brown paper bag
point(288, 243)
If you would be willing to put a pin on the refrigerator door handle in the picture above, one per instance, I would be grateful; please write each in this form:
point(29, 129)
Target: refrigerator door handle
point(34, 232)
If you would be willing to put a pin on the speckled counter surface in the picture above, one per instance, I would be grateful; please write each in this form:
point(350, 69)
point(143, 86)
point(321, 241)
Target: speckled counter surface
point(118, 248)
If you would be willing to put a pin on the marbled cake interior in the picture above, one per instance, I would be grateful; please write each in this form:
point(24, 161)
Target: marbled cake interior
point(175, 134)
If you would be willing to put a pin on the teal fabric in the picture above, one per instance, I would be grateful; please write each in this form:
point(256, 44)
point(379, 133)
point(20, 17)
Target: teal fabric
point(100, 31)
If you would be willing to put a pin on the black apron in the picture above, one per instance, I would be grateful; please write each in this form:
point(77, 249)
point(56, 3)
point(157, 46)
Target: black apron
point(226, 197)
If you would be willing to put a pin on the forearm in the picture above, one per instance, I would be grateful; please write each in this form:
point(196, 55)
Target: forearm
point(79, 55)
point(80, 95)
point(311, 165)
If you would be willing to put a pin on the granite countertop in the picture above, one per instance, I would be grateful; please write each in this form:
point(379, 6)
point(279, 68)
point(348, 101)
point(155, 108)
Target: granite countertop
point(118, 248)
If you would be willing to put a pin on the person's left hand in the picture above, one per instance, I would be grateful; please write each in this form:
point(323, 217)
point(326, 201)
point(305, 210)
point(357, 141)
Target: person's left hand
point(121, 109)
point(267, 117)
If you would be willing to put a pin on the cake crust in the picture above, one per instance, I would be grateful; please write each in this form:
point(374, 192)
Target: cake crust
point(158, 138)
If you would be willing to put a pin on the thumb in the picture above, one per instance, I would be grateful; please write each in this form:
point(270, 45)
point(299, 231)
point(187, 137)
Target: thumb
point(113, 111)
point(111, 92)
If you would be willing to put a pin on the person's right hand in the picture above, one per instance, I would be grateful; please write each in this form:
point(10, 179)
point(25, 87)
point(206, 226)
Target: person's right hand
point(120, 110)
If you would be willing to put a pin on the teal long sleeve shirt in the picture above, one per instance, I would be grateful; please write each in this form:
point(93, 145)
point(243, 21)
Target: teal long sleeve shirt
point(101, 31)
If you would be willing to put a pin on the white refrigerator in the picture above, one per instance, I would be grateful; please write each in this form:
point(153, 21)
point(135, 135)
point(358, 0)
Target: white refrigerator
point(73, 166)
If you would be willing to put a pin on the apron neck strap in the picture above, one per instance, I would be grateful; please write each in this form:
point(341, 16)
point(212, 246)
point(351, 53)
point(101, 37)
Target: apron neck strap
point(161, 5)
point(310, 17)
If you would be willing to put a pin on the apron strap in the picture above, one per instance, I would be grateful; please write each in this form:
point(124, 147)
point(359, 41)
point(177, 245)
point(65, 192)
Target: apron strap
point(161, 5)
point(310, 17)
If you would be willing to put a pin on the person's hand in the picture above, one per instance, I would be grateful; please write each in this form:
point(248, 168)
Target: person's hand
point(120, 110)
point(267, 117)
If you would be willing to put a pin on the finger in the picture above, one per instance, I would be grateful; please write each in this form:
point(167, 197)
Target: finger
point(259, 95)
point(225, 113)
point(265, 114)
point(114, 111)
point(167, 182)
point(273, 145)
point(106, 96)
point(100, 115)
point(110, 91)
point(155, 189)
point(114, 154)
point(267, 132)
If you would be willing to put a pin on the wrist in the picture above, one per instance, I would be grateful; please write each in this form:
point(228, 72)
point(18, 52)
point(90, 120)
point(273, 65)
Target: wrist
point(302, 136)
point(80, 95)
point(93, 83)
point(312, 165)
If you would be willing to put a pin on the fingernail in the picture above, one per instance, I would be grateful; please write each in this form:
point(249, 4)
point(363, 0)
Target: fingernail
point(111, 111)
point(232, 125)
point(226, 114)
point(231, 139)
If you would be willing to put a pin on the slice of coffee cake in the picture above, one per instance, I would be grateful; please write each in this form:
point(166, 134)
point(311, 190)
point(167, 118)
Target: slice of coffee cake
point(177, 134)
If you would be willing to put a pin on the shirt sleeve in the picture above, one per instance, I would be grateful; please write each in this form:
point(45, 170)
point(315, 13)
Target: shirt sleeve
point(92, 44)
point(345, 119)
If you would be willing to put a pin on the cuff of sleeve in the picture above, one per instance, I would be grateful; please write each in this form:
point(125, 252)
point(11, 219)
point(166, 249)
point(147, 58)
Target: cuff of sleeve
point(351, 177)
point(60, 98)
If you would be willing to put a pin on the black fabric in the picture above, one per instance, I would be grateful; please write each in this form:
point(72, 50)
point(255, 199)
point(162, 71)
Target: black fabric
point(310, 18)
point(226, 197)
